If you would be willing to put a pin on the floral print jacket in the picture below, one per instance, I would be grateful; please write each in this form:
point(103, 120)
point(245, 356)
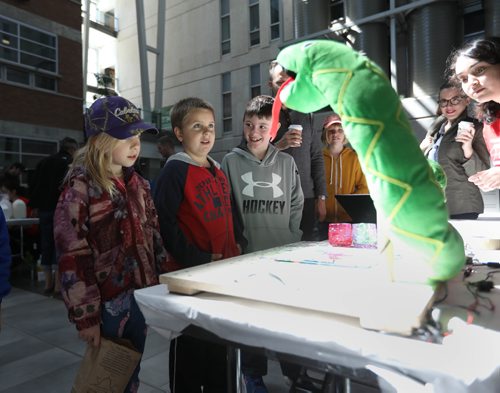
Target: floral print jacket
point(105, 245)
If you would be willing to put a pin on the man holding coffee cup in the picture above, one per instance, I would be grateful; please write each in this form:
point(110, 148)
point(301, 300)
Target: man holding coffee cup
point(297, 137)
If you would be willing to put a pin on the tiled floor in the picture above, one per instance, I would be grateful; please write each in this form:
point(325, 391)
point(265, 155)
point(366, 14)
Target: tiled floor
point(40, 351)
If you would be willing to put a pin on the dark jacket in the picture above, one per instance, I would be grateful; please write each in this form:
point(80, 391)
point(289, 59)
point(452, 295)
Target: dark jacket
point(462, 196)
point(308, 157)
point(5, 257)
point(194, 210)
point(47, 181)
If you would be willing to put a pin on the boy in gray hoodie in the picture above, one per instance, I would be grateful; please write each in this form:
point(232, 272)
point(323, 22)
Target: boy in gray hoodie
point(267, 195)
point(265, 183)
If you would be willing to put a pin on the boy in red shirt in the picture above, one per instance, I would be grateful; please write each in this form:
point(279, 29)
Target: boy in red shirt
point(192, 197)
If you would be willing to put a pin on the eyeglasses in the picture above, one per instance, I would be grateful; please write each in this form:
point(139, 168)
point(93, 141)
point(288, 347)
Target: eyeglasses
point(452, 101)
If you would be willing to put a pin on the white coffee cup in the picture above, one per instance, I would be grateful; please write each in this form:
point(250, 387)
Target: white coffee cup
point(465, 126)
point(296, 127)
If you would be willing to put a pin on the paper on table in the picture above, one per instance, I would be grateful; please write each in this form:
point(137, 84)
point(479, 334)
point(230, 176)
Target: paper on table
point(326, 255)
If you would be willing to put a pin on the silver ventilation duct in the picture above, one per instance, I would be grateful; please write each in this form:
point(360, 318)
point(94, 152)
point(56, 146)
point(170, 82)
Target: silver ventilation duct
point(373, 38)
point(310, 16)
point(432, 35)
point(491, 17)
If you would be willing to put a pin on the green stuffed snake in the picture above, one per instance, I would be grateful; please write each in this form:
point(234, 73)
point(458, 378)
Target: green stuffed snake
point(407, 196)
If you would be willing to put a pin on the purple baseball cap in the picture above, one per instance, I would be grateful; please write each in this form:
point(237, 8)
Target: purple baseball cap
point(117, 117)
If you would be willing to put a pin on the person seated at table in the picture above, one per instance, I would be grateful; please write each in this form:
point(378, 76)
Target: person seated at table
point(343, 172)
point(196, 223)
point(15, 192)
point(21, 209)
point(266, 188)
point(14, 172)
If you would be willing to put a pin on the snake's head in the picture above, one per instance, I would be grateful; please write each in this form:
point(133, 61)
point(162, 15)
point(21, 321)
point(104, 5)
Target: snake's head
point(297, 60)
point(298, 92)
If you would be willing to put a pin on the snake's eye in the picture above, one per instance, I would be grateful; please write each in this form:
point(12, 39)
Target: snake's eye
point(291, 74)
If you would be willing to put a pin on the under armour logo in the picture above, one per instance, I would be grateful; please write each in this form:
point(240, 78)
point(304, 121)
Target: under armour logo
point(248, 190)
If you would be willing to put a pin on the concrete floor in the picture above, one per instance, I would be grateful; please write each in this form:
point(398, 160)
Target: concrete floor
point(40, 350)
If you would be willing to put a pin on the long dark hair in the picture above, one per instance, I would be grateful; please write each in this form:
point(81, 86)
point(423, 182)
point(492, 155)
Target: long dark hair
point(483, 49)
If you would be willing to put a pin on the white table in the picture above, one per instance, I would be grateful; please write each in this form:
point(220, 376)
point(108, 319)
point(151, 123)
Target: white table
point(21, 223)
point(468, 360)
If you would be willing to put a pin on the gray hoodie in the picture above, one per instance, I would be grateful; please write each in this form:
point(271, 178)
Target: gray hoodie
point(267, 195)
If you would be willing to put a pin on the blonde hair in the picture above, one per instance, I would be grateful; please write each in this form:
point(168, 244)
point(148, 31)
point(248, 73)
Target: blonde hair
point(323, 137)
point(96, 158)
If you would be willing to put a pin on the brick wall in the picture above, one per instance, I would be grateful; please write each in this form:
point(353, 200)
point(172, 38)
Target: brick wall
point(65, 12)
point(37, 107)
point(70, 67)
point(63, 108)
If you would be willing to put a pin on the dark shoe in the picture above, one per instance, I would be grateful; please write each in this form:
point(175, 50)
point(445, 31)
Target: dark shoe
point(254, 384)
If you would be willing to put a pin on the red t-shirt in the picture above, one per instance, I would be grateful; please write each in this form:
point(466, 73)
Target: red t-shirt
point(491, 134)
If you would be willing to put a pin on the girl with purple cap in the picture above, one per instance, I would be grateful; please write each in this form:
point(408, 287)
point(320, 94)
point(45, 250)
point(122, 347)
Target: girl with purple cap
point(106, 229)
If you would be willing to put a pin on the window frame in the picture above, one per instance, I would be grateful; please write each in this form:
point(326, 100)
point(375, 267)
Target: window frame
point(20, 155)
point(337, 9)
point(275, 23)
point(255, 83)
point(254, 32)
point(226, 98)
point(17, 64)
point(225, 44)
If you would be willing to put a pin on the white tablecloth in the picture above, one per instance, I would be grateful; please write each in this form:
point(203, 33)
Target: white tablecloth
point(467, 361)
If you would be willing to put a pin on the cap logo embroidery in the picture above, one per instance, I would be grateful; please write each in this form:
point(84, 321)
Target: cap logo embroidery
point(128, 114)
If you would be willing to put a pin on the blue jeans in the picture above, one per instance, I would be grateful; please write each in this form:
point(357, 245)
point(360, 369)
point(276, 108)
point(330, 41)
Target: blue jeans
point(122, 318)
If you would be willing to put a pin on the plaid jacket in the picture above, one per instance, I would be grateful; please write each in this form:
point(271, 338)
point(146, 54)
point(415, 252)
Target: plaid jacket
point(106, 245)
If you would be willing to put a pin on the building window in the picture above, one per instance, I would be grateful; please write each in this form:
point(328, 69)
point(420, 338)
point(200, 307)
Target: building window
point(275, 19)
point(106, 19)
point(225, 27)
point(17, 76)
point(336, 9)
point(254, 22)
point(227, 116)
point(29, 55)
point(255, 80)
point(473, 18)
point(43, 82)
point(28, 151)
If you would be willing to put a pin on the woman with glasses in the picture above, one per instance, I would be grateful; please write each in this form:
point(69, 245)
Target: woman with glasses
point(461, 153)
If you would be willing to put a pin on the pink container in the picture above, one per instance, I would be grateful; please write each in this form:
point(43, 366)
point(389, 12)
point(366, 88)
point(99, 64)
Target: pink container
point(340, 234)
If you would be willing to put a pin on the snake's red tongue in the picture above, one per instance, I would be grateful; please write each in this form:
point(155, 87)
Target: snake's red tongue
point(276, 109)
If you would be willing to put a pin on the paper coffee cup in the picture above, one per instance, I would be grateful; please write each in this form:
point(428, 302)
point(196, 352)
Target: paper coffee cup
point(296, 127)
point(464, 126)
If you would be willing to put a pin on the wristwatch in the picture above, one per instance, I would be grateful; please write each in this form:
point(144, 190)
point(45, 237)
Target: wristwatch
point(322, 197)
